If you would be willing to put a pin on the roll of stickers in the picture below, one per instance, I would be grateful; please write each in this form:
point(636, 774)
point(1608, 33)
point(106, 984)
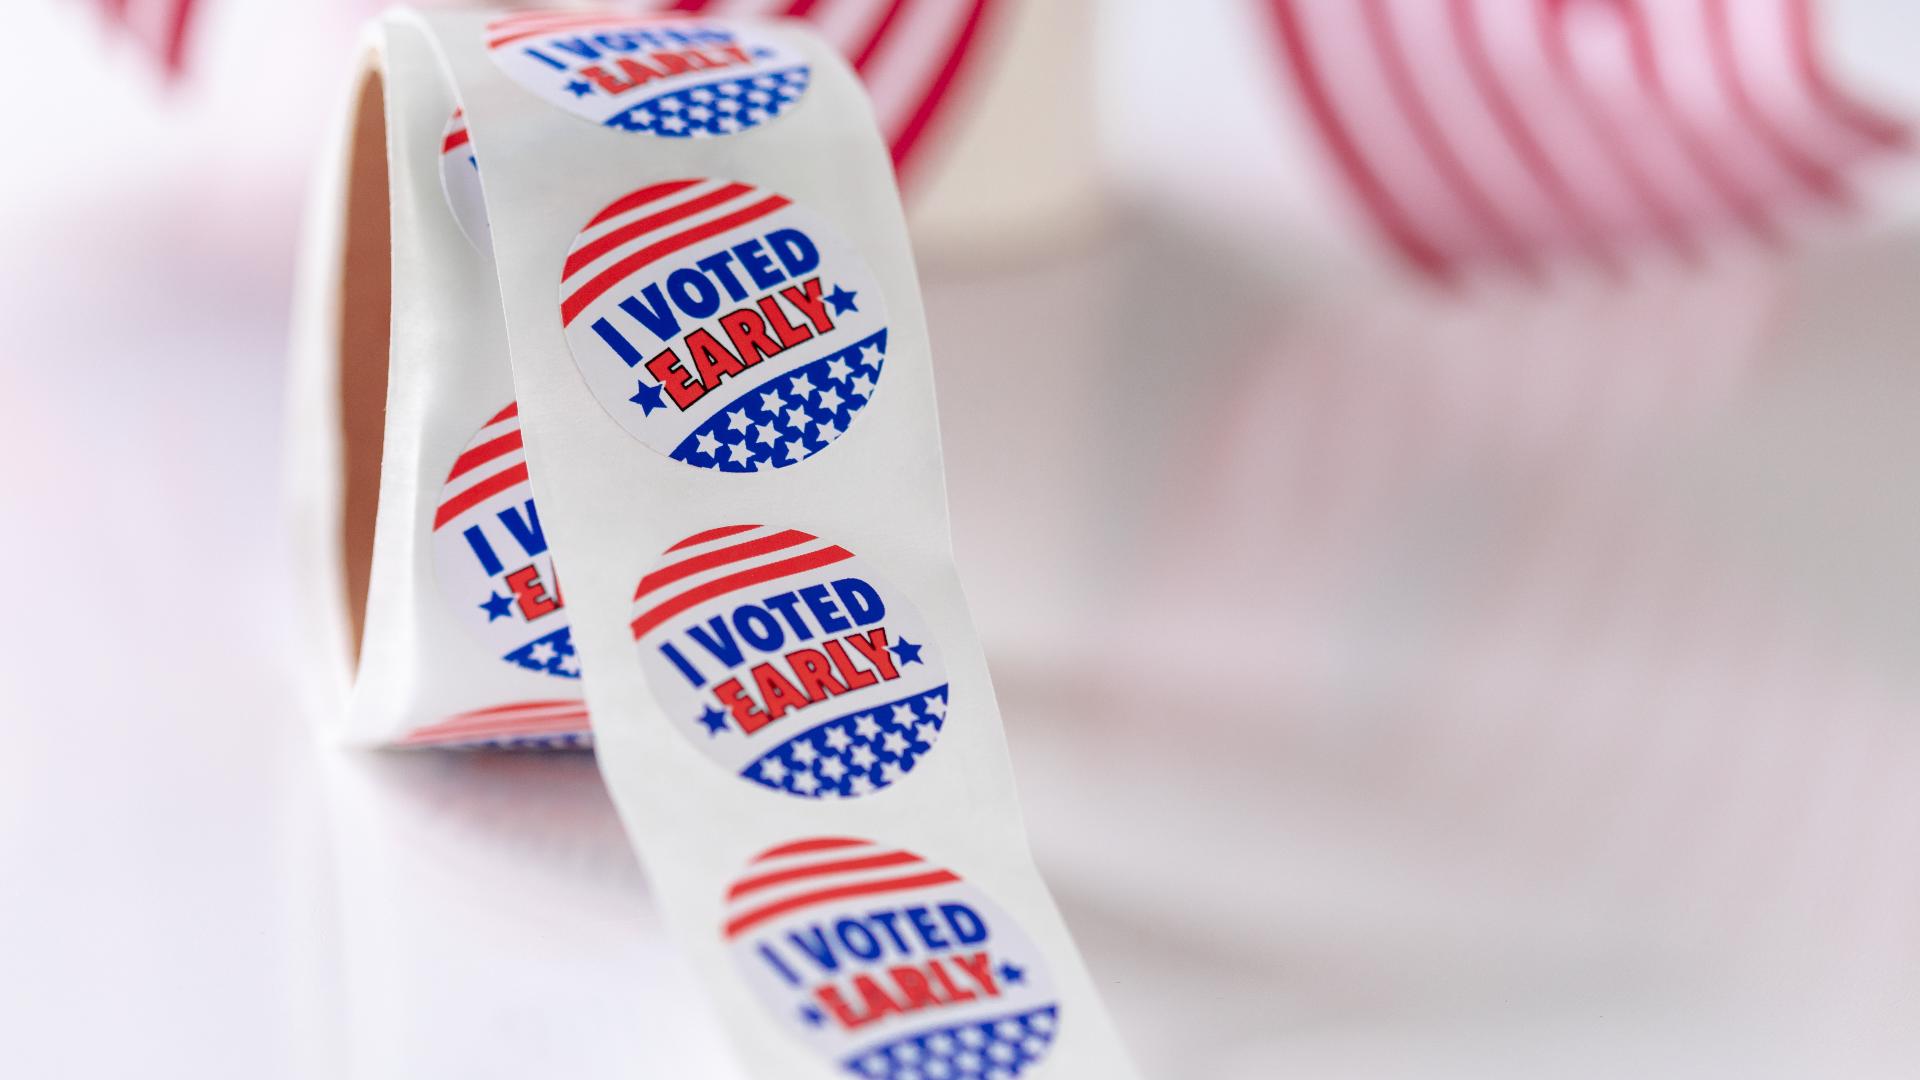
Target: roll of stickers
point(613, 392)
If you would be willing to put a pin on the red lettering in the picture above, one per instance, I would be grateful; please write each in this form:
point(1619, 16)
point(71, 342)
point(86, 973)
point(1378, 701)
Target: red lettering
point(815, 674)
point(636, 74)
point(734, 697)
point(748, 332)
point(913, 988)
point(855, 675)
point(805, 297)
point(532, 595)
point(680, 385)
point(954, 993)
point(780, 695)
point(711, 360)
point(873, 646)
point(789, 334)
point(978, 966)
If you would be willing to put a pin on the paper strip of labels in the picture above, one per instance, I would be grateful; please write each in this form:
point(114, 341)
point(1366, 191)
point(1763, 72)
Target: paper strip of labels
point(661, 447)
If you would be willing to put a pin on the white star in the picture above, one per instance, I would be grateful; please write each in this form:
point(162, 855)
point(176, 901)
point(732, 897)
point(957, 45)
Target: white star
point(668, 105)
point(832, 768)
point(728, 89)
point(771, 402)
point(801, 385)
point(726, 105)
point(903, 714)
point(936, 706)
point(737, 421)
point(672, 123)
point(895, 743)
point(941, 1044)
point(838, 739)
point(699, 113)
point(772, 771)
point(740, 454)
point(805, 783)
point(825, 431)
point(707, 444)
point(804, 753)
point(1041, 1023)
point(838, 369)
point(766, 81)
point(870, 355)
point(766, 433)
point(925, 732)
point(727, 124)
point(795, 451)
point(797, 418)
point(752, 116)
point(890, 772)
point(866, 726)
point(759, 97)
point(542, 652)
point(830, 399)
point(859, 785)
point(570, 664)
point(862, 386)
point(701, 94)
point(862, 756)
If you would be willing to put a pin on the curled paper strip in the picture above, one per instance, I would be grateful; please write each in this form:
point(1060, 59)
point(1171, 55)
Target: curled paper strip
point(541, 468)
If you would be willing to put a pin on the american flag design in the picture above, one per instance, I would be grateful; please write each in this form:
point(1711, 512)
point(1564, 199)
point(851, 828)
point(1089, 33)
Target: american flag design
point(669, 76)
point(1519, 134)
point(545, 724)
point(786, 659)
point(890, 966)
point(722, 325)
point(490, 555)
point(460, 182)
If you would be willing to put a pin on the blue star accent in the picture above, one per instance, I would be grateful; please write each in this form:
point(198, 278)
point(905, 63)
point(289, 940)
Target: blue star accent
point(648, 398)
point(580, 88)
point(812, 1016)
point(1011, 975)
point(907, 651)
point(842, 300)
point(715, 720)
point(762, 53)
point(497, 607)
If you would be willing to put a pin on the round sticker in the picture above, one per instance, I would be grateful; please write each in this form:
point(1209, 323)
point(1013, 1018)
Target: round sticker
point(460, 182)
point(789, 661)
point(491, 556)
point(723, 325)
point(667, 76)
point(889, 965)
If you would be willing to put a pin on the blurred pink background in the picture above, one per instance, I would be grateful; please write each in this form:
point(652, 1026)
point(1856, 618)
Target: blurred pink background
point(1464, 638)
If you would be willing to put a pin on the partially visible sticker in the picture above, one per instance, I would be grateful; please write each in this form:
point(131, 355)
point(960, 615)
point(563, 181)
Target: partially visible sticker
point(888, 965)
point(723, 325)
point(790, 662)
point(491, 557)
point(460, 181)
point(675, 77)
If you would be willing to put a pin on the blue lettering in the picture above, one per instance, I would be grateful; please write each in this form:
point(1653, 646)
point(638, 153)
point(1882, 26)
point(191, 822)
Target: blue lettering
point(861, 600)
point(654, 314)
point(720, 643)
point(795, 249)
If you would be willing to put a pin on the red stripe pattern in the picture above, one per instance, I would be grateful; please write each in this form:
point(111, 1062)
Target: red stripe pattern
point(556, 724)
point(1488, 133)
point(739, 560)
point(800, 877)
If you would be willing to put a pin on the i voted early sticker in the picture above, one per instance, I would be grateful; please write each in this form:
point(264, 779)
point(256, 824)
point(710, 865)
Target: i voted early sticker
point(722, 325)
point(490, 553)
point(668, 76)
point(790, 662)
point(889, 965)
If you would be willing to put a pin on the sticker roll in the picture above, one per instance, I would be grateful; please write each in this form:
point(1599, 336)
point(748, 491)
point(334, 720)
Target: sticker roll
point(612, 394)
